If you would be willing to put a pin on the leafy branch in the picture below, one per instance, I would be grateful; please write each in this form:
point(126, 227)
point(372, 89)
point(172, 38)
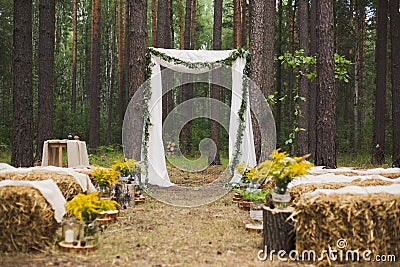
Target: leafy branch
point(305, 66)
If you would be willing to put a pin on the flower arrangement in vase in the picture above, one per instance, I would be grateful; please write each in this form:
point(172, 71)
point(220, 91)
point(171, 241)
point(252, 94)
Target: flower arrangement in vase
point(247, 173)
point(105, 178)
point(127, 169)
point(253, 175)
point(86, 208)
point(282, 169)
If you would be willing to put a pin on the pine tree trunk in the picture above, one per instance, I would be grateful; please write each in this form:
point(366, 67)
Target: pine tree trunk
point(163, 24)
point(181, 25)
point(169, 99)
point(378, 156)
point(258, 66)
point(236, 23)
point(354, 96)
point(193, 26)
point(357, 79)
point(171, 19)
point(186, 89)
point(269, 76)
point(86, 68)
point(362, 56)
point(279, 85)
point(154, 22)
point(94, 131)
point(302, 138)
point(326, 93)
point(395, 67)
point(163, 40)
point(47, 11)
point(127, 46)
point(168, 23)
point(188, 20)
point(121, 59)
point(356, 101)
point(74, 54)
point(22, 138)
point(112, 76)
point(216, 76)
point(312, 110)
point(269, 40)
point(291, 76)
point(137, 40)
point(243, 31)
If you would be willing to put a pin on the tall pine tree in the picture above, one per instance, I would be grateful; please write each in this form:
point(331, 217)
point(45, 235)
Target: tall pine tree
point(22, 136)
point(326, 94)
point(47, 10)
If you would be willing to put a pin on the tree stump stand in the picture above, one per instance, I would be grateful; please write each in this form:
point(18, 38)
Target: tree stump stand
point(125, 195)
point(278, 232)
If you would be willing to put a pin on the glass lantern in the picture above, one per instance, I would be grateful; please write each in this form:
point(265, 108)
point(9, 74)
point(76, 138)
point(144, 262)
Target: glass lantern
point(89, 234)
point(71, 230)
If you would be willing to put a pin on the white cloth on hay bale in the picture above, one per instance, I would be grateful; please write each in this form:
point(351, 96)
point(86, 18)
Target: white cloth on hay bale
point(50, 192)
point(82, 179)
point(374, 171)
point(6, 167)
point(389, 189)
point(337, 178)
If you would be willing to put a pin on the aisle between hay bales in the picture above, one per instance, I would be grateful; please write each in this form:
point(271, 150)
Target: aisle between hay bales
point(154, 233)
point(157, 234)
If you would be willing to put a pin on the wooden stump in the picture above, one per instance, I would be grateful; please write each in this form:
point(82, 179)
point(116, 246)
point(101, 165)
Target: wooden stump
point(279, 233)
point(125, 195)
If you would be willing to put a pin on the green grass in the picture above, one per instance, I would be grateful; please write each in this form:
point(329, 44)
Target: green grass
point(5, 156)
point(361, 160)
point(106, 155)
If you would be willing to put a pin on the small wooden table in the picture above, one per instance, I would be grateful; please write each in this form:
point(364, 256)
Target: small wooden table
point(56, 152)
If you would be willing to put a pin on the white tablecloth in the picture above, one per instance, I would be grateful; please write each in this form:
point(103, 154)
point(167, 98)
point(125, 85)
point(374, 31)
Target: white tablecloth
point(76, 151)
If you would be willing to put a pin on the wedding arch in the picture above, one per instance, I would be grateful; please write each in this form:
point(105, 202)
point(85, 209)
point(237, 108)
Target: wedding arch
point(241, 144)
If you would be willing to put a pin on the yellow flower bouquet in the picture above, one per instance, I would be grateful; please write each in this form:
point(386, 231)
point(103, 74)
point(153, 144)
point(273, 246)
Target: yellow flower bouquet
point(284, 168)
point(246, 171)
point(125, 167)
point(105, 177)
point(88, 207)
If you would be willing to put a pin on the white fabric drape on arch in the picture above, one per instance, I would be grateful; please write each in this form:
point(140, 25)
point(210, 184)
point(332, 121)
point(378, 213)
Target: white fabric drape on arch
point(157, 171)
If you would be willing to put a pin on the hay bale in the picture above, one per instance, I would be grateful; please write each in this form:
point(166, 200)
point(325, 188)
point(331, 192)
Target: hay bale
point(297, 191)
point(67, 183)
point(26, 219)
point(361, 222)
point(393, 175)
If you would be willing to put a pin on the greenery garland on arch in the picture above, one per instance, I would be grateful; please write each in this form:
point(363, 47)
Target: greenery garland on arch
point(233, 56)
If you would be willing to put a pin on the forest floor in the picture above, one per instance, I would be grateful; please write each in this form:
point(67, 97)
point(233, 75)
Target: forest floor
point(158, 234)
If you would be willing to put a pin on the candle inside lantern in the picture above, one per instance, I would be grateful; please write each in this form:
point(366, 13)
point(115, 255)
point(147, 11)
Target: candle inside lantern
point(69, 236)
